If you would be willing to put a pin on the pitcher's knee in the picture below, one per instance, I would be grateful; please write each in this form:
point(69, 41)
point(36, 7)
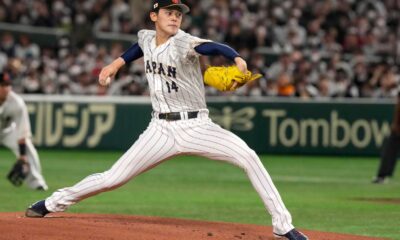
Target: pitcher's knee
point(248, 159)
point(253, 154)
point(251, 160)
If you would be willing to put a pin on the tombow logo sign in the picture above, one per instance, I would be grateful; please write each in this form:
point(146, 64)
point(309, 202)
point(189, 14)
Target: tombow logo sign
point(334, 131)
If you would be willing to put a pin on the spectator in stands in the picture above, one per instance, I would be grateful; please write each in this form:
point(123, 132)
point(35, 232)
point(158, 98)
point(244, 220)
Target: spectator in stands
point(119, 8)
point(25, 49)
point(31, 83)
point(388, 85)
point(85, 84)
point(7, 44)
point(323, 32)
point(285, 85)
point(40, 14)
point(284, 65)
point(324, 89)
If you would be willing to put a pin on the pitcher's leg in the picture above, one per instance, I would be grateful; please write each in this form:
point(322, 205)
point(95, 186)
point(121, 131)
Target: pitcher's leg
point(149, 150)
point(214, 142)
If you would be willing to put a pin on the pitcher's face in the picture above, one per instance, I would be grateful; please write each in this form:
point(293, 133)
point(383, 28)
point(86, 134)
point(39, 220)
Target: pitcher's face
point(167, 20)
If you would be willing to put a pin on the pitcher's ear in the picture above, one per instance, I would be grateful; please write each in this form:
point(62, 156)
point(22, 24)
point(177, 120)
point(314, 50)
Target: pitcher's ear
point(153, 16)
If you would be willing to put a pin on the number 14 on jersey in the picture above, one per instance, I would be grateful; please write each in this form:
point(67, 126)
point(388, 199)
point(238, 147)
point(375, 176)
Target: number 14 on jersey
point(172, 86)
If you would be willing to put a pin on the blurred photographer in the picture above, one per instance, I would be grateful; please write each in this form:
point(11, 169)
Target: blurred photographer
point(391, 148)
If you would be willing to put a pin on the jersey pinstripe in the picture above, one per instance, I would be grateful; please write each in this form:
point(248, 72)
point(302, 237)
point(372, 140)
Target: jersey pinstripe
point(173, 72)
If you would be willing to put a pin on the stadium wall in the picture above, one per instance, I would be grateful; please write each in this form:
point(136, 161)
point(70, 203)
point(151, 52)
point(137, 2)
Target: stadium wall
point(268, 125)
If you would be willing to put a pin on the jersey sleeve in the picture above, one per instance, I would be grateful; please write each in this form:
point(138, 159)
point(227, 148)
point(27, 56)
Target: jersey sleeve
point(186, 43)
point(144, 36)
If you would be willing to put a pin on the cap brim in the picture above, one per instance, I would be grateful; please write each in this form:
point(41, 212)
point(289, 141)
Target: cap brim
point(184, 8)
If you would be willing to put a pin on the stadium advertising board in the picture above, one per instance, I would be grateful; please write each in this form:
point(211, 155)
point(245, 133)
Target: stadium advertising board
point(268, 127)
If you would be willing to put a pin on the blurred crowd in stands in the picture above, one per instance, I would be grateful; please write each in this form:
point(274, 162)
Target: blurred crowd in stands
point(305, 48)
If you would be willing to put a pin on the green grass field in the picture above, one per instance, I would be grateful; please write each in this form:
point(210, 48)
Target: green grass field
point(322, 193)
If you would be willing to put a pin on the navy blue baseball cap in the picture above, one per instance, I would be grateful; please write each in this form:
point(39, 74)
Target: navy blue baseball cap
point(157, 4)
point(5, 79)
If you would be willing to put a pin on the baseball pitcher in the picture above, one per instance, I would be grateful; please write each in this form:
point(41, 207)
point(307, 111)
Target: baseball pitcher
point(15, 134)
point(180, 123)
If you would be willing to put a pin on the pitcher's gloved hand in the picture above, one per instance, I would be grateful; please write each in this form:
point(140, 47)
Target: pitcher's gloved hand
point(228, 78)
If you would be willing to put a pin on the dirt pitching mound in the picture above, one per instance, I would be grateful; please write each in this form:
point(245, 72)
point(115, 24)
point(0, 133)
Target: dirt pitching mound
point(380, 200)
point(120, 227)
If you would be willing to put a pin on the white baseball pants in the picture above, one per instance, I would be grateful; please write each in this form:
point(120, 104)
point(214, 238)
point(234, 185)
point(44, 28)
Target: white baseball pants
point(165, 139)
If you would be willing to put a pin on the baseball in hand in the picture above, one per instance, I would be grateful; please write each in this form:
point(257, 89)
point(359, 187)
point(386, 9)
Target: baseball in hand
point(106, 81)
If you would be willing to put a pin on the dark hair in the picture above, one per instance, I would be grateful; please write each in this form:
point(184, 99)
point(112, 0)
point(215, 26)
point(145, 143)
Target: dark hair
point(5, 79)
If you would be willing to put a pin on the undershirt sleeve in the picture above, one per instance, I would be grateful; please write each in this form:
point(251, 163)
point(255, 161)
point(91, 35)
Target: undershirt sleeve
point(133, 53)
point(213, 48)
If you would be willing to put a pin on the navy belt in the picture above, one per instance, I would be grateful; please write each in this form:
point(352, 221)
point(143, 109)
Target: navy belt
point(174, 116)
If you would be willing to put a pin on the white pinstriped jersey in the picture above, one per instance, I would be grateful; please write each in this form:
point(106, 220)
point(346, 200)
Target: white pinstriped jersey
point(173, 72)
point(14, 114)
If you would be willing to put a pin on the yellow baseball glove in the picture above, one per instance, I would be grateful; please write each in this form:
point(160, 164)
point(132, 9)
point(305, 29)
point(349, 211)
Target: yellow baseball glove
point(224, 78)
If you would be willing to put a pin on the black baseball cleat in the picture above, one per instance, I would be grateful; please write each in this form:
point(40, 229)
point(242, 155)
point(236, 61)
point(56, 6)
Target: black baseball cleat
point(37, 210)
point(291, 235)
point(41, 188)
point(380, 180)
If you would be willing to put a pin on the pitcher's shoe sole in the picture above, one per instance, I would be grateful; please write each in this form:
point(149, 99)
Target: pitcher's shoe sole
point(37, 210)
point(291, 235)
